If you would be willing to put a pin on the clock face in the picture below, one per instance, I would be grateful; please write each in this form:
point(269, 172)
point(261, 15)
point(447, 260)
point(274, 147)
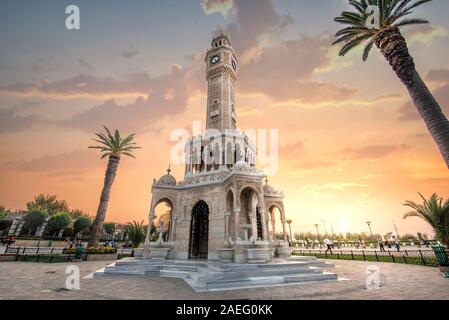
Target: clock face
point(215, 59)
point(234, 65)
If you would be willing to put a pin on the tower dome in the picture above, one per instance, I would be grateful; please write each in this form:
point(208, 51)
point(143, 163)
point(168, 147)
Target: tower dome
point(167, 180)
point(268, 189)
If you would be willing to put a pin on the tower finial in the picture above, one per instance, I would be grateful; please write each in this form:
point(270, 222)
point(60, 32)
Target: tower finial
point(168, 170)
point(266, 180)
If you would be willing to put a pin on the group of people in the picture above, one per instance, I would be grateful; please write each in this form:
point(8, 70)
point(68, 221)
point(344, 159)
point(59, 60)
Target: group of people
point(8, 241)
point(361, 244)
point(75, 243)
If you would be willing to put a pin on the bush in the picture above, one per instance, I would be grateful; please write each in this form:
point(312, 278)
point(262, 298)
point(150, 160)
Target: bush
point(58, 222)
point(33, 219)
point(98, 250)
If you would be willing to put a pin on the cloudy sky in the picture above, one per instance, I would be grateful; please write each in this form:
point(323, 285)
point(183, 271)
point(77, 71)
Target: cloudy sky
point(352, 147)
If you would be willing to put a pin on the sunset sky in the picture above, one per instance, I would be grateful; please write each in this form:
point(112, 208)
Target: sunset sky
point(352, 147)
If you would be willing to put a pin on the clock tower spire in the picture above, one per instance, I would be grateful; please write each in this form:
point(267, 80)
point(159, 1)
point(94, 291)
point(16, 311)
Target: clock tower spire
point(221, 75)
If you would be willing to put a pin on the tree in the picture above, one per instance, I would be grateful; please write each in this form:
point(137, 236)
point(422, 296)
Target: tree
point(81, 224)
point(109, 228)
point(136, 233)
point(112, 146)
point(50, 203)
point(3, 212)
point(435, 212)
point(387, 36)
point(33, 219)
point(75, 214)
point(58, 222)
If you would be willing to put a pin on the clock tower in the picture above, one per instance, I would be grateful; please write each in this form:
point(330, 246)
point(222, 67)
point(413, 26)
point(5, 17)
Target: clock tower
point(221, 76)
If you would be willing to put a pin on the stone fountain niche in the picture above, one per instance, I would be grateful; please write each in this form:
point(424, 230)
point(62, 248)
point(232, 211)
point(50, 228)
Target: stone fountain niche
point(159, 250)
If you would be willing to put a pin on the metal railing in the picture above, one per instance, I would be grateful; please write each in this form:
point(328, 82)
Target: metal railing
point(417, 257)
point(56, 254)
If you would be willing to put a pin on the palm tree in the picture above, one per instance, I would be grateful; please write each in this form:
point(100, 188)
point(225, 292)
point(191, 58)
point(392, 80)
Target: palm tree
point(388, 38)
point(112, 146)
point(136, 233)
point(434, 212)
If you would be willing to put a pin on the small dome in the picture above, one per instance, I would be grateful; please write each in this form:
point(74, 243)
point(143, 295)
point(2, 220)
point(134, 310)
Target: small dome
point(267, 189)
point(167, 180)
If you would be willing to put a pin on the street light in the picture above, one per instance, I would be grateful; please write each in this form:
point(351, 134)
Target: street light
point(324, 225)
point(317, 232)
point(369, 226)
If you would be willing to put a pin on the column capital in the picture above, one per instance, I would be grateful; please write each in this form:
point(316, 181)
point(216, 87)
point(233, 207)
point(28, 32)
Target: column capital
point(237, 210)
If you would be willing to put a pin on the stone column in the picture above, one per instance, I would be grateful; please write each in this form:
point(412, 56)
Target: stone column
point(284, 229)
point(150, 223)
point(172, 236)
point(273, 225)
point(264, 224)
point(237, 224)
point(227, 215)
point(253, 216)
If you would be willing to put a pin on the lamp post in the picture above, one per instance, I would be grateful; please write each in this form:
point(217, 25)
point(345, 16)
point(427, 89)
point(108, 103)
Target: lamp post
point(317, 232)
point(324, 225)
point(369, 226)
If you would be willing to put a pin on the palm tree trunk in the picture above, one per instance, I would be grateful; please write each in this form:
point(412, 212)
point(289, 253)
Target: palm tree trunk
point(394, 48)
point(104, 200)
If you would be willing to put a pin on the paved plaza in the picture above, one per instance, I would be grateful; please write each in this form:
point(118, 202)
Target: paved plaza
point(19, 280)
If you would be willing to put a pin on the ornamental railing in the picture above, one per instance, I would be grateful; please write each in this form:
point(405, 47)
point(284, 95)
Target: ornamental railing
point(417, 257)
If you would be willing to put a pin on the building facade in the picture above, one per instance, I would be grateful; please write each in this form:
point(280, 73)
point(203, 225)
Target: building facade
point(224, 205)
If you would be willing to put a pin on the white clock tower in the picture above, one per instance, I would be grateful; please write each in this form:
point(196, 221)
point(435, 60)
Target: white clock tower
point(221, 76)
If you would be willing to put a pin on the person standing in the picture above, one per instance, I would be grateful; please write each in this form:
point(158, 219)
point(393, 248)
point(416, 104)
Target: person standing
point(328, 244)
point(381, 246)
point(398, 245)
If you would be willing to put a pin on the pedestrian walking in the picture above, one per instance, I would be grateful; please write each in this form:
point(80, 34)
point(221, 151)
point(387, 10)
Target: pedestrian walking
point(328, 244)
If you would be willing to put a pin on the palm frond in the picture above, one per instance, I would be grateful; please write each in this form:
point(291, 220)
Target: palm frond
point(114, 145)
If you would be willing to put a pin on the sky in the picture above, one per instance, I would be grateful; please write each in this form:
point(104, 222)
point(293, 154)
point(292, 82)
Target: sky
point(352, 148)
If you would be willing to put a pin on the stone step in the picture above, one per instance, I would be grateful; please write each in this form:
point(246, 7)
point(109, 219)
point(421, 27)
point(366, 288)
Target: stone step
point(266, 281)
point(266, 272)
point(214, 276)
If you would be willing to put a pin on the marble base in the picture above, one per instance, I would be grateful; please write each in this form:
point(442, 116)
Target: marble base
point(284, 252)
point(258, 255)
point(159, 253)
point(226, 255)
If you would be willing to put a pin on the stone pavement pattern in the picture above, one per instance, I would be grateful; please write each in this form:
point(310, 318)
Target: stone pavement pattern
point(20, 280)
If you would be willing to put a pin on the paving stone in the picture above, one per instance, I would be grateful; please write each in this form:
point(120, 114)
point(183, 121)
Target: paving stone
point(26, 280)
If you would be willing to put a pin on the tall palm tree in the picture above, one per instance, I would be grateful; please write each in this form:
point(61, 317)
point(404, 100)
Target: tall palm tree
point(112, 146)
point(386, 35)
point(435, 213)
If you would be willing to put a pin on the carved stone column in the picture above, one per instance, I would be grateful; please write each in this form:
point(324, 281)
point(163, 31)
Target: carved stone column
point(227, 215)
point(237, 225)
point(273, 225)
point(253, 216)
point(172, 236)
point(150, 223)
point(264, 224)
point(284, 229)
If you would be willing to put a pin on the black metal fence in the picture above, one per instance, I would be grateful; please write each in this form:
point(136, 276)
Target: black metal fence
point(417, 257)
point(50, 255)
